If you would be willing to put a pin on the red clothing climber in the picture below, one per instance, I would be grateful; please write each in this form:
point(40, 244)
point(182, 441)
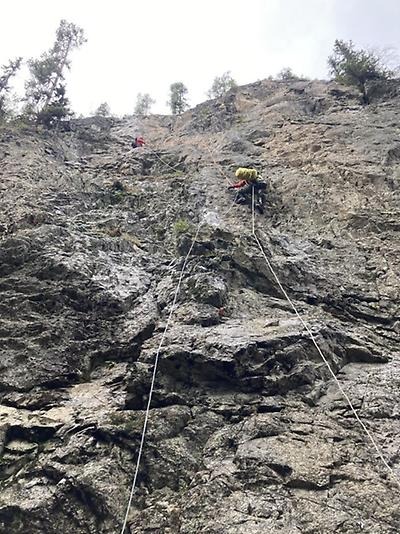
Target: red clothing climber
point(238, 185)
point(246, 176)
point(138, 142)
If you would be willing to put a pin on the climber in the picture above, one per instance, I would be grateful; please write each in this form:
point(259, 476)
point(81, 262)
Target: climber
point(248, 182)
point(138, 142)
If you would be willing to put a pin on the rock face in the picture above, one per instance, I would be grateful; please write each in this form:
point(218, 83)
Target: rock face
point(247, 432)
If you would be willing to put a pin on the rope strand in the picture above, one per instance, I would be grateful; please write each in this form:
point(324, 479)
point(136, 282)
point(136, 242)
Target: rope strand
point(156, 360)
point(347, 398)
point(312, 337)
point(153, 379)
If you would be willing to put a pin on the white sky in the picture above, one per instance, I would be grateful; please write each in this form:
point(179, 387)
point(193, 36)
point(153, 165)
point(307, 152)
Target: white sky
point(144, 46)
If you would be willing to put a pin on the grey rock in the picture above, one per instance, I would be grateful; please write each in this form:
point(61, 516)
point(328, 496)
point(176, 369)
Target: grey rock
point(247, 431)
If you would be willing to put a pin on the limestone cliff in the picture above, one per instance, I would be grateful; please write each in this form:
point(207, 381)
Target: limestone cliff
point(247, 431)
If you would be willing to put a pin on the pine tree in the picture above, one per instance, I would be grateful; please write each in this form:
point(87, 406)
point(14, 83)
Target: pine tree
point(143, 104)
point(45, 91)
point(221, 85)
point(177, 100)
point(8, 72)
point(103, 110)
point(362, 69)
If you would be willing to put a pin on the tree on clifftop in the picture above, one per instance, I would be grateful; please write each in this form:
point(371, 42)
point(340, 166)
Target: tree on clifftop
point(8, 72)
point(221, 85)
point(143, 104)
point(103, 110)
point(287, 75)
point(177, 100)
point(45, 91)
point(362, 69)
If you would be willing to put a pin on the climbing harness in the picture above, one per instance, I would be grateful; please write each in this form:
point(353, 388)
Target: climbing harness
point(243, 198)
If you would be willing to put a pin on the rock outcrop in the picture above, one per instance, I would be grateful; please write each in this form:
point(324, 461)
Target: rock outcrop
point(248, 432)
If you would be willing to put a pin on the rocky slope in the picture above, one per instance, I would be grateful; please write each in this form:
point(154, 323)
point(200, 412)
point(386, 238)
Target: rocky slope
point(247, 431)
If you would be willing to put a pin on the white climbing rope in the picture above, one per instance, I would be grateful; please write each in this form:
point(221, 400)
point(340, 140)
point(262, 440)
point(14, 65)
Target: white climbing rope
point(171, 312)
point(312, 337)
point(226, 177)
point(156, 360)
point(174, 168)
point(157, 357)
point(253, 223)
point(154, 375)
point(153, 151)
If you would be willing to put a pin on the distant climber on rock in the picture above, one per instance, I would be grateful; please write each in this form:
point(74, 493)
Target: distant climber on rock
point(249, 181)
point(138, 142)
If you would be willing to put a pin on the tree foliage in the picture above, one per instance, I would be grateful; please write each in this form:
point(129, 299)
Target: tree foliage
point(221, 85)
point(103, 110)
point(143, 104)
point(177, 100)
point(45, 90)
point(362, 69)
point(8, 72)
point(287, 75)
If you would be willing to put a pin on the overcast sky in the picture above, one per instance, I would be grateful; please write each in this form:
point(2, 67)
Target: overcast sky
point(144, 46)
